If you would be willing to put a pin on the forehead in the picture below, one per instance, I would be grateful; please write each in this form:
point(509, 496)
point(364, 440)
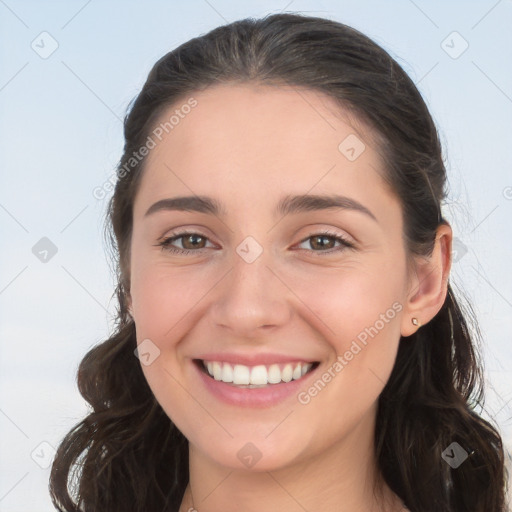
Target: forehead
point(256, 120)
point(249, 140)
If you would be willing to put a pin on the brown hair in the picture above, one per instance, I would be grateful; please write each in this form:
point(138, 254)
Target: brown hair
point(127, 455)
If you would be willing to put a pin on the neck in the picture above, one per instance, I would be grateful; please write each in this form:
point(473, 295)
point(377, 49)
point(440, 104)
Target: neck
point(343, 478)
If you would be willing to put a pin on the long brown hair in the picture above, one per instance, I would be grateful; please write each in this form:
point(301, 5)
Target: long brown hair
point(127, 455)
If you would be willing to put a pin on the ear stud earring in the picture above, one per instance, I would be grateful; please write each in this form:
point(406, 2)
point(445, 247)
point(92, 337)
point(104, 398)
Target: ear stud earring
point(416, 322)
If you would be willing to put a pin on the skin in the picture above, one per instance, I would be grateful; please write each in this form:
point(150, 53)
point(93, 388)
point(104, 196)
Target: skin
point(293, 299)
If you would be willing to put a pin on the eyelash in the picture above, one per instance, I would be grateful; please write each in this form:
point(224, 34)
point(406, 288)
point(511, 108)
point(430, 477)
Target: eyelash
point(165, 243)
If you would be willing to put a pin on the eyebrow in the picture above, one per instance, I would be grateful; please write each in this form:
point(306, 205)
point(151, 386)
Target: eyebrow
point(286, 206)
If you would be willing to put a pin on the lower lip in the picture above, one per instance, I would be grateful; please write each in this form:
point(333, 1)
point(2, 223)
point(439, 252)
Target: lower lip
point(268, 396)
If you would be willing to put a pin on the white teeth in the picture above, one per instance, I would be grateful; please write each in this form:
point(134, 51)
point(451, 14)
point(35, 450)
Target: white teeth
point(217, 371)
point(305, 368)
point(287, 373)
point(259, 375)
point(274, 374)
point(255, 376)
point(227, 373)
point(240, 374)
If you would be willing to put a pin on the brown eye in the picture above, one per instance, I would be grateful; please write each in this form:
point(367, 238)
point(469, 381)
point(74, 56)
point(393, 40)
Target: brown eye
point(191, 242)
point(324, 243)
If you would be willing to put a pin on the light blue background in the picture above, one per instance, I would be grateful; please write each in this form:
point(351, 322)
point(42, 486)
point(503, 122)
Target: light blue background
point(61, 136)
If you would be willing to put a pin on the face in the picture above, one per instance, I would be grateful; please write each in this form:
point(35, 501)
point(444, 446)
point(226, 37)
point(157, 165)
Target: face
point(260, 294)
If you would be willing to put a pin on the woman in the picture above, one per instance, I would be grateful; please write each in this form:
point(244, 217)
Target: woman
point(287, 335)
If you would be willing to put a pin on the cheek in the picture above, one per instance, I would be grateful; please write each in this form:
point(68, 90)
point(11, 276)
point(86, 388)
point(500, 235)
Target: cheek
point(164, 299)
point(163, 295)
point(358, 313)
point(352, 301)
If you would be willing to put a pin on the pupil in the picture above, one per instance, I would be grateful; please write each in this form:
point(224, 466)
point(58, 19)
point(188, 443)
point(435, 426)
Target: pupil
point(321, 237)
point(193, 238)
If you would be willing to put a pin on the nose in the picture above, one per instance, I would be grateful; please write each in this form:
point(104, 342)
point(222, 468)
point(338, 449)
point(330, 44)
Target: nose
point(251, 299)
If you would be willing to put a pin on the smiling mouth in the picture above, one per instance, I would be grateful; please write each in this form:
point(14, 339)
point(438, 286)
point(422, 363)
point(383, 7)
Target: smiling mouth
point(259, 376)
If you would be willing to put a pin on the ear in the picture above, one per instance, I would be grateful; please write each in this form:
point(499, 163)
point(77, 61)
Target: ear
point(429, 283)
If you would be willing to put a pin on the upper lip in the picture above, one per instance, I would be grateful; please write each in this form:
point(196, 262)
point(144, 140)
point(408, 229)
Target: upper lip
point(253, 359)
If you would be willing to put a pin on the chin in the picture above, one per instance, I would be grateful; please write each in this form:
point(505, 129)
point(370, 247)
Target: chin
point(254, 454)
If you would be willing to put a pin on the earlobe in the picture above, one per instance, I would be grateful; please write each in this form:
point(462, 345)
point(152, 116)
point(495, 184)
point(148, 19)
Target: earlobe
point(430, 285)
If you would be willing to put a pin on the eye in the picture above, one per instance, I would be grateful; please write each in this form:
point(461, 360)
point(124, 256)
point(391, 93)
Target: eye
point(318, 241)
point(191, 242)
